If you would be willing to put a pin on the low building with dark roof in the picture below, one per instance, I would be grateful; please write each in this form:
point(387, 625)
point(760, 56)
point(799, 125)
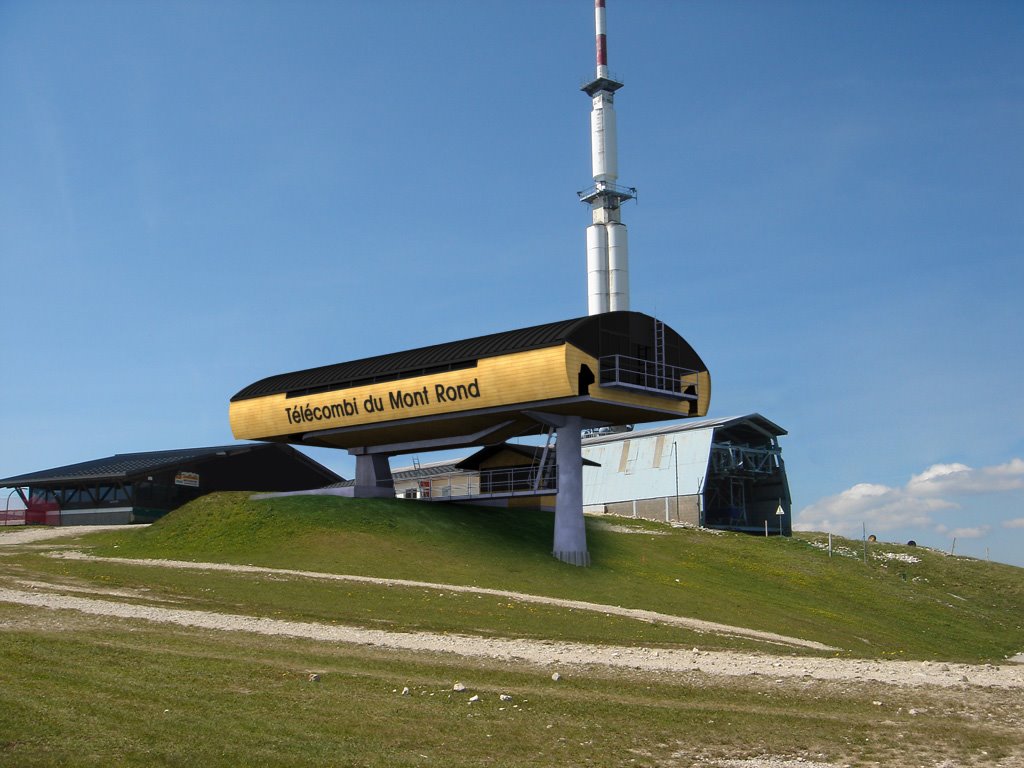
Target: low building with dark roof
point(141, 487)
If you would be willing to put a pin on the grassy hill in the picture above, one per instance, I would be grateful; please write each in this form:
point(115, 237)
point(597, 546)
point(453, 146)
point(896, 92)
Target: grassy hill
point(90, 690)
point(939, 607)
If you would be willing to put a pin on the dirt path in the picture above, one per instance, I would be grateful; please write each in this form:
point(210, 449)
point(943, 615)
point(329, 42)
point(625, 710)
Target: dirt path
point(559, 655)
point(14, 535)
point(697, 625)
point(552, 654)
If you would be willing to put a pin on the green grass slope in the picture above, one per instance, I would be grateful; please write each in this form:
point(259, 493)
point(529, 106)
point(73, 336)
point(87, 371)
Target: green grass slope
point(938, 607)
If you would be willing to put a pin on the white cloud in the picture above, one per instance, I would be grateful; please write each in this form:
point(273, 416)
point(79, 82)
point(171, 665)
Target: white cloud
point(884, 508)
point(964, 533)
point(938, 475)
point(881, 507)
point(1014, 468)
point(959, 479)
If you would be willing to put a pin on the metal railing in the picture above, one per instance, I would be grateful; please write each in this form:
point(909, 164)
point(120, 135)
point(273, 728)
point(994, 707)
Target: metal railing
point(514, 481)
point(12, 517)
point(606, 189)
point(636, 373)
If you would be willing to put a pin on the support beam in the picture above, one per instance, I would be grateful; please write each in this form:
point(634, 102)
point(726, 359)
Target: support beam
point(373, 475)
point(558, 420)
point(434, 444)
point(570, 545)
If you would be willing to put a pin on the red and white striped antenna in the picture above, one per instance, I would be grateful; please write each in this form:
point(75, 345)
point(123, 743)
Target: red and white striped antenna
point(602, 39)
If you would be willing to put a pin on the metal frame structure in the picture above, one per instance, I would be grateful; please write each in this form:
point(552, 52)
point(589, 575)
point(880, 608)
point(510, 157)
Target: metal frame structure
point(651, 376)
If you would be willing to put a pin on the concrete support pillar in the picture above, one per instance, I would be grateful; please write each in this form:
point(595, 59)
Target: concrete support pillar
point(570, 531)
point(373, 475)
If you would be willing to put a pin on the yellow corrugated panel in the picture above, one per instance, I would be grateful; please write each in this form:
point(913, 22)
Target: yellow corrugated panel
point(520, 379)
point(497, 381)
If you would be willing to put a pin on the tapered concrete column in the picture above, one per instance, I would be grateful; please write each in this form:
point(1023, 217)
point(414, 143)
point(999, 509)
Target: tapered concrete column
point(373, 475)
point(570, 531)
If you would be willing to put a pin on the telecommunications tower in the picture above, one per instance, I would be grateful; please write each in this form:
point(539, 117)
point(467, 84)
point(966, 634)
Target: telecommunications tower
point(607, 247)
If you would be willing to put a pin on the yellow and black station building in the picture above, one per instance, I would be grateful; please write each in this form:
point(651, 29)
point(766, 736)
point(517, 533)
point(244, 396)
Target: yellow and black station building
point(613, 368)
point(600, 370)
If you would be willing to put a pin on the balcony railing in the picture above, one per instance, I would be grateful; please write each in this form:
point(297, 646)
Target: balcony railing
point(612, 192)
point(648, 376)
point(514, 481)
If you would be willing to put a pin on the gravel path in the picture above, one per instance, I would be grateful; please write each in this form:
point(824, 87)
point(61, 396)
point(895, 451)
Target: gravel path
point(557, 654)
point(697, 625)
point(547, 653)
point(14, 535)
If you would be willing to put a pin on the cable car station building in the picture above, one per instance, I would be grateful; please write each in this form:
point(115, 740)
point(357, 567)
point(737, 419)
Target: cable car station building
point(612, 367)
point(142, 487)
point(725, 473)
point(600, 370)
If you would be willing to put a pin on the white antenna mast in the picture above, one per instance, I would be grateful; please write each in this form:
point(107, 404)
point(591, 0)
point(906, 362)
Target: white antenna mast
point(607, 245)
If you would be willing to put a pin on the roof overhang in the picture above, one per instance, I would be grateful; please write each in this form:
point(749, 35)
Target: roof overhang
point(485, 426)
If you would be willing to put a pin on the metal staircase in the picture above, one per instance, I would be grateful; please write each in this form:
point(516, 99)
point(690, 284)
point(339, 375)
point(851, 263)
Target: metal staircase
point(545, 460)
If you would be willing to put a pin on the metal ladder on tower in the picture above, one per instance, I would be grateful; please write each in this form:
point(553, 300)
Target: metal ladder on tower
point(659, 355)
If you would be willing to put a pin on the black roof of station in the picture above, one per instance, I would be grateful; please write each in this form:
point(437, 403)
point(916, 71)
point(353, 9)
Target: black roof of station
point(127, 465)
point(752, 424)
point(582, 332)
point(414, 362)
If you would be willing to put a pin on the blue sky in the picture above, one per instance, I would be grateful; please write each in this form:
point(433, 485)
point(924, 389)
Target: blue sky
point(831, 211)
